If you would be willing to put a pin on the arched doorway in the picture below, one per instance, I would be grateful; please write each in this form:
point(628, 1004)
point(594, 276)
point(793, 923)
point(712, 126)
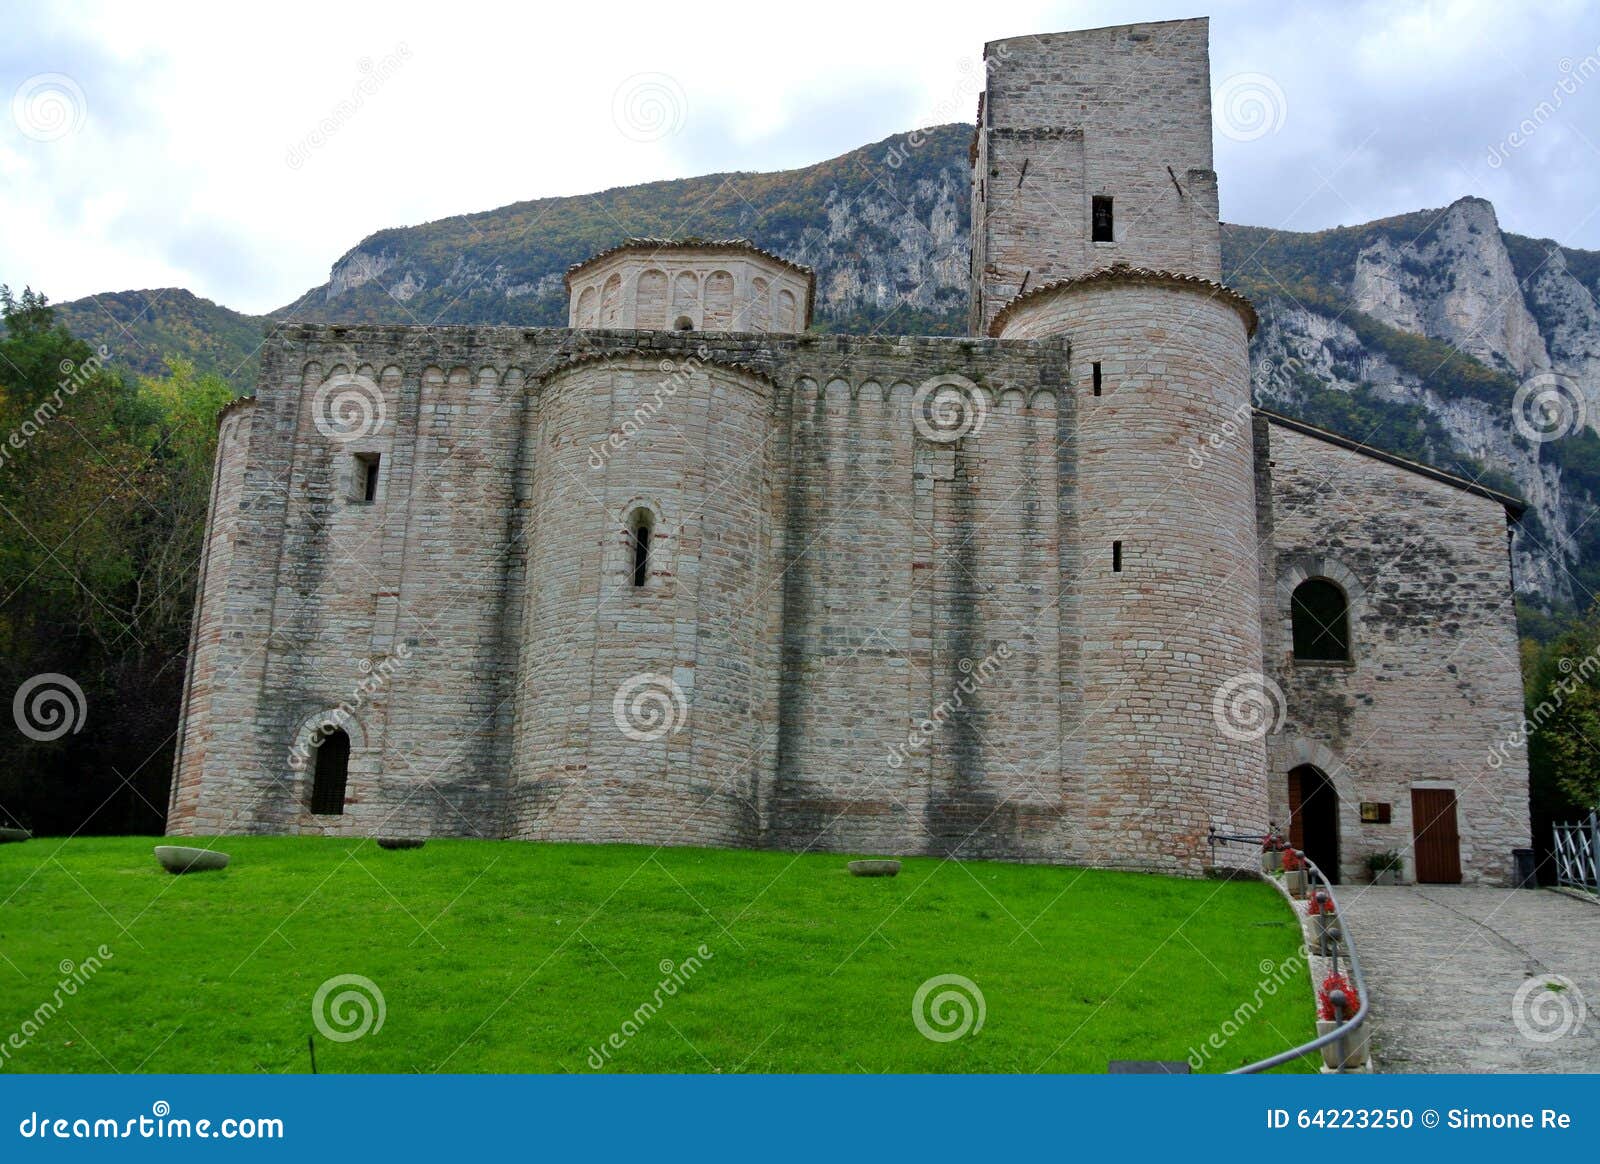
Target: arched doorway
point(331, 774)
point(1314, 818)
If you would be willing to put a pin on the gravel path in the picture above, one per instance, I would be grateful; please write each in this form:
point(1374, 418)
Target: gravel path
point(1445, 964)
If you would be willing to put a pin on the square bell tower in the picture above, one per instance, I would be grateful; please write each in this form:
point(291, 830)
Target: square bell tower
point(1093, 148)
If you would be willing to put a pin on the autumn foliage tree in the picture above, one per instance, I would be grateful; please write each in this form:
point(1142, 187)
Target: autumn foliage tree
point(103, 486)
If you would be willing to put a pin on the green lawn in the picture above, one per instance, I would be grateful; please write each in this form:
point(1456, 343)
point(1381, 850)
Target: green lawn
point(505, 956)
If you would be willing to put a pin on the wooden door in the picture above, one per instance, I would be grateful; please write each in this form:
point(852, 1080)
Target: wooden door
point(1438, 843)
point(1297, 830)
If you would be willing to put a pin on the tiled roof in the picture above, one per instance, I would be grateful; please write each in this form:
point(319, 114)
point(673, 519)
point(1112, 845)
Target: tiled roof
point(1124, 273)
point(688, 244)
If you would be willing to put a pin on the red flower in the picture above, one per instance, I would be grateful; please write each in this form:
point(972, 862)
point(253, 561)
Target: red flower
point(1320, 903)
point(1325, 1003)
point(1291, 860)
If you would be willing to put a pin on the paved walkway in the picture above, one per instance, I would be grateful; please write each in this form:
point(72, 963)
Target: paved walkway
point(1445, 963)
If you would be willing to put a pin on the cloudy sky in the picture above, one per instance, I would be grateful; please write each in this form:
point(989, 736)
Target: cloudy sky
point(240, 155)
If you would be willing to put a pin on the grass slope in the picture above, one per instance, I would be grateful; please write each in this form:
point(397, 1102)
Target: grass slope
point(506, 956)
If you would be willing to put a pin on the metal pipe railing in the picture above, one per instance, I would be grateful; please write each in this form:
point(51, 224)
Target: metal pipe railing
point(1347, 1026)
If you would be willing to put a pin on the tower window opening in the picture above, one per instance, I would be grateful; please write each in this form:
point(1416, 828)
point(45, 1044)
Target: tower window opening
point(640, 538)
point(684, 324)
point(1095, 368)
point(1320, 619)
point(366, 476)
point(1100, 221)
point(331, 774)
point(1116, 557)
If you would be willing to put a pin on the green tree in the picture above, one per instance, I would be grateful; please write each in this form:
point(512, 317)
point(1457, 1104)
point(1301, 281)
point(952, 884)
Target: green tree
point(1563, 694)
point(104, 481)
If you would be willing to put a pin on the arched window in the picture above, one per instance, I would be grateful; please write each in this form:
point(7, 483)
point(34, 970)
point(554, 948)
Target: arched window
point(331, 773)
point(1321, 617)
point(639, 538)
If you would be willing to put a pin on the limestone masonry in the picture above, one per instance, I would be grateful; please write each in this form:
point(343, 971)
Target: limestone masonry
point(685, 572)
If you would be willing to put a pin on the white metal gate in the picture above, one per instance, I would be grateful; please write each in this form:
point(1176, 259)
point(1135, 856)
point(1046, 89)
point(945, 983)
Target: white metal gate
point(1576, 848)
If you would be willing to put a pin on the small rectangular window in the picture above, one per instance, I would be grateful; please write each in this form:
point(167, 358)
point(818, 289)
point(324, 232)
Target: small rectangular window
point(366, 477)
point(1096, 375)
point(1116, 557)
point(1100, 223)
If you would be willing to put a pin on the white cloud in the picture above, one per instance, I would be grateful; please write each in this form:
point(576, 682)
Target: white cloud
point(180, 173)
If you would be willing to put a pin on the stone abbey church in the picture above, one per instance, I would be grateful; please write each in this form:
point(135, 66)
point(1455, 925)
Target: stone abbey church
point(686, 572)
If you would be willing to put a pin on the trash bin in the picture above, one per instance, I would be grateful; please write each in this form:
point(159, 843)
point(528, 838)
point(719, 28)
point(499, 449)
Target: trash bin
point(1524, 874)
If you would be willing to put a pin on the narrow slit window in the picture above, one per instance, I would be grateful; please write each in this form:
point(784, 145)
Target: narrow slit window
point(641, 551)
point(1095, 367)
point(1100, 220)
point(1116, 557)
point(366, 476)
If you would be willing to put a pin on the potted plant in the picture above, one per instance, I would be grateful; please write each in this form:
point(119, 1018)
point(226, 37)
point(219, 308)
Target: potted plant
point(1329, 1016)
point(1271, 854)
point(1384, 867)
point(1294, 871)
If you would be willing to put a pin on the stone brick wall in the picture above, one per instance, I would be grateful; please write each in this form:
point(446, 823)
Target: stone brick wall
point(391, 609)
point(665, 287)
point(864, 636)
point(1072, 115)
point(1168, 575)
point(1433, 689)
point(923, 697)
point(208, 639)
point(687, 652)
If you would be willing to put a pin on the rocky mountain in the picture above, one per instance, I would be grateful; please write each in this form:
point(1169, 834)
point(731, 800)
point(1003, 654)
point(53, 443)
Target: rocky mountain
point(1435, 334)
point(885, 228)
point(1440, 336)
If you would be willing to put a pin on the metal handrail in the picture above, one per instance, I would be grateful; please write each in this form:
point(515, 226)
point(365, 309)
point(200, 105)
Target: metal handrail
point(1358, 980)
